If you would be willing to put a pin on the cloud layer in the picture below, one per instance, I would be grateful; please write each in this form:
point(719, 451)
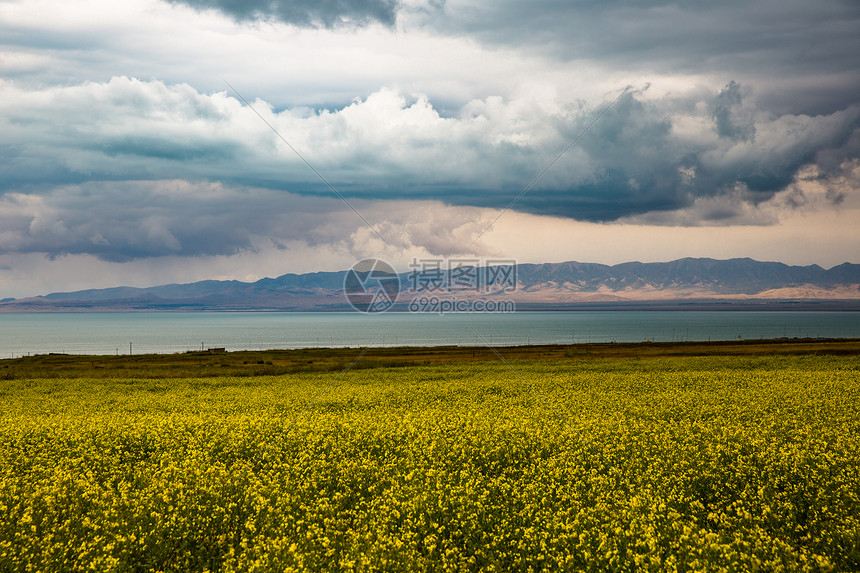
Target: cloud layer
point(646, 154)
point(782, 44)
point(121, 143)
point(123, 221)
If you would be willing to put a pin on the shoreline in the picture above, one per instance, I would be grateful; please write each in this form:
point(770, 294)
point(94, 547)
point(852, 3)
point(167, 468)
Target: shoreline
point(28, 306)
point(244, 363)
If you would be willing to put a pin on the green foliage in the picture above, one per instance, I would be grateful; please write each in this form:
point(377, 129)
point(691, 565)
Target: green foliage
point(675, 464)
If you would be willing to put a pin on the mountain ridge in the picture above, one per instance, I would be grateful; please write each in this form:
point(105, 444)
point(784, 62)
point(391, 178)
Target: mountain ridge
point(565, 282)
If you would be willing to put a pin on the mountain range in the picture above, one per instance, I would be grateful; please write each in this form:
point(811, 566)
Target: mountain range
point(549, 285)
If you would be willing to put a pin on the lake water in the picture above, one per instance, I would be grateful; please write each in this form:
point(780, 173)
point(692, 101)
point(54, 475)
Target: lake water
point(110, 333)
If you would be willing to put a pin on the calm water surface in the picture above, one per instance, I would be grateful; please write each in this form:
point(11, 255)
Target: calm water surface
point(110, 333)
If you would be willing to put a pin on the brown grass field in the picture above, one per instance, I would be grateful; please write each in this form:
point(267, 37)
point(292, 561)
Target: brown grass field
point(277, 362)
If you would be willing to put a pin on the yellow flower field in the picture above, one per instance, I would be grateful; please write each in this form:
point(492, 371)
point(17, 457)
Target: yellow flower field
point(670, 464)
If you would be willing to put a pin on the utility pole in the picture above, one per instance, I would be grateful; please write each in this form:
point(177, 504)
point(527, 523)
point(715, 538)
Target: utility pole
point(129, 348)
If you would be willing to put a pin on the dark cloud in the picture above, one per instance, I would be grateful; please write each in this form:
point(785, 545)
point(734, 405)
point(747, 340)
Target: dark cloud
point(726, 116)
point(134, 220)
point(157, 148)
point(641, 164)
point(121, 221)
point(304, 13)
point(781, 44)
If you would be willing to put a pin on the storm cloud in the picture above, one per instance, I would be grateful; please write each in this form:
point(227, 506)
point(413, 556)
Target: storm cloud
point(121, 141)
point(310, 13)
point(124, 221)
point(808, 50)
point(645, 154)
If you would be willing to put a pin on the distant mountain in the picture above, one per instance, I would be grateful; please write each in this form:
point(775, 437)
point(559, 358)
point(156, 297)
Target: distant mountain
point(707, 276)
point(537, 286)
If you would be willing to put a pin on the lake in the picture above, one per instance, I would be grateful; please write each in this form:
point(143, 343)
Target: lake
point(169, 332)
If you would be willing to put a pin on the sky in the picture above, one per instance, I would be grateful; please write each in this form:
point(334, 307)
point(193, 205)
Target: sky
point(147, 142)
